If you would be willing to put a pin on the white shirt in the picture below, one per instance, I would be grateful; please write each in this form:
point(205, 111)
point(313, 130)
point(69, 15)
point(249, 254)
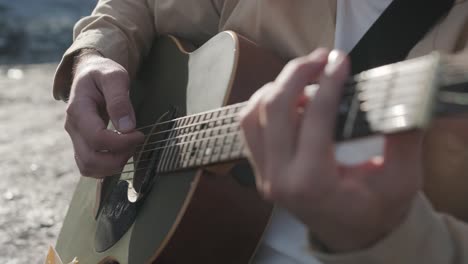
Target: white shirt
point(285, 240)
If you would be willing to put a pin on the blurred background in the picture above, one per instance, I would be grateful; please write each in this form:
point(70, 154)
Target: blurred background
point(38, 31)
point(38, 171)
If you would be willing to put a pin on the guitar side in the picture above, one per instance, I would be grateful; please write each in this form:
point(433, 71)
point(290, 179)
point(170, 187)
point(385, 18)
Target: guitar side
point(193, 216)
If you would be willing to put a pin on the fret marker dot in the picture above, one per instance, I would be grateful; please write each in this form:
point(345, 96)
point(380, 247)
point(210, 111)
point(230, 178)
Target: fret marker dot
point(208, 151)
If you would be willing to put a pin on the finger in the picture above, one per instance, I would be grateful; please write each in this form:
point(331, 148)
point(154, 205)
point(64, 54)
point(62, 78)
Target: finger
point(96, 164)
point(114, 85)
point(252, 133)
point(280, 106)
point(317, 130)
point(83, 119)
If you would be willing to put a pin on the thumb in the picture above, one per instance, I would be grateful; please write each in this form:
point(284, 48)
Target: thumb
point(115, 86)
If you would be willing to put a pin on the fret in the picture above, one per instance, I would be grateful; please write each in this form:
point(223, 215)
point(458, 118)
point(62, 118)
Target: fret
point(185, 155)
point(192, 121)
point(208, 151)
point(196, 149)
point(163, 150)
point(181, 122)
point(218, 144)
point(169, 149)
point(226, 120)
point(192, 152)
point(201, 151)
point(211, 124)
point(174, 157)
point(236, 147)
point(218, 121)
point(228, 139)
point(225, 151)
point(180, 148)
point(232, 128)
point(201, 118)
point(209, 116)
point(216, 115)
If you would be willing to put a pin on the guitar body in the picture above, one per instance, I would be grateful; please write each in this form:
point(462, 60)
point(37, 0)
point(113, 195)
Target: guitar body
point(190, 216)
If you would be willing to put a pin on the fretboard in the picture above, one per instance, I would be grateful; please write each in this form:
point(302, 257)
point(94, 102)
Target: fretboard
point(388, 99)
point(203, 139)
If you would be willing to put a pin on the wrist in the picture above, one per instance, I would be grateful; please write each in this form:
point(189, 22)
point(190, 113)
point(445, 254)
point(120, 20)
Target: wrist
point(82, 56)
point(339, 237)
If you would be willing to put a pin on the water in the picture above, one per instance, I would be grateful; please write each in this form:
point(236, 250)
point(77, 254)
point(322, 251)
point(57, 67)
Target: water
point(36, 31)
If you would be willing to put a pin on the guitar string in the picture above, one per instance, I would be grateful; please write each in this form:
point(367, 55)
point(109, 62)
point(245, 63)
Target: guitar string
point(350, 83)
point(234, 133)
point(203, 122)
point(196, 155)
point(225, 109)
point(401, 99)
point(198, 150)
point(194, 125)
point(224, 125)
point(184, 118)
point(239, 106)
point(235, 125)
point(190, 163)
point(170, 163)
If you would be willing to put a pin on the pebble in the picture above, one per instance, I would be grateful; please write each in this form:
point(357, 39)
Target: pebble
point(15, 74)
point(9, 196)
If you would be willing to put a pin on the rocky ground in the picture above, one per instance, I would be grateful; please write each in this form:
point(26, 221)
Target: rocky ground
point(36, 158)
point(36, 162)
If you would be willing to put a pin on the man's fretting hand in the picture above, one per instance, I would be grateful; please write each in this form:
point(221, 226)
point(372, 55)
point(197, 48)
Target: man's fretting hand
point(99, 93)
point(345, 207)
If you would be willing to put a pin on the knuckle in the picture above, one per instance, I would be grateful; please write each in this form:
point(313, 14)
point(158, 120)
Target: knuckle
point(268, 86)
point(71, 111)
point(118, 103)
point(269, 103)
point(87, 163)
point(115, 72)
point(83, 74)
point(296, 65)
point(82, 167)
point(102, 69)
point(67, 126)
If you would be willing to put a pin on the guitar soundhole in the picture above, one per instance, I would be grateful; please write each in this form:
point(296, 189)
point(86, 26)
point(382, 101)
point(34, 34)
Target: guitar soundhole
point(119, 210)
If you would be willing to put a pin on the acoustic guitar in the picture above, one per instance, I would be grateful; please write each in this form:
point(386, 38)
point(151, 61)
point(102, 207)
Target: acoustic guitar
point(187, 195)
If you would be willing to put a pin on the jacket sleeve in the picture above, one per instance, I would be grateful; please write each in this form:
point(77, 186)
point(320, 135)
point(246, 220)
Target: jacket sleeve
point(124, 30)
point(424, 237)
point(121, 30)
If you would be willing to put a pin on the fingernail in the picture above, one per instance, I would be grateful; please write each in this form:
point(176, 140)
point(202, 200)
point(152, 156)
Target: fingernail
point(335, 58)
point(125, 123)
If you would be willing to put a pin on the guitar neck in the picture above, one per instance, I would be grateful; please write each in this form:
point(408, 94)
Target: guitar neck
point(388, 99)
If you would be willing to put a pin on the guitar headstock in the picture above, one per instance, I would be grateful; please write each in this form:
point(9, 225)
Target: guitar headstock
point(452, 97)
point(399, 96)
point(404, 95)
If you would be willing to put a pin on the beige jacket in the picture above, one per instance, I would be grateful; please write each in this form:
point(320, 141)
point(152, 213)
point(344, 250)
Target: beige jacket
point(123, 30)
